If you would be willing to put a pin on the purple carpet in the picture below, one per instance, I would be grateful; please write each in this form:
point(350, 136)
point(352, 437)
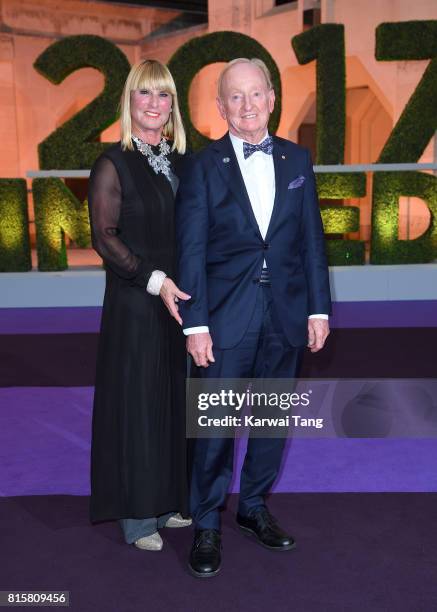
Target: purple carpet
point(355, 552)
point(362, 510)
point(46, 396)
point(45, 444)
point(344, 315)
point(68, 360)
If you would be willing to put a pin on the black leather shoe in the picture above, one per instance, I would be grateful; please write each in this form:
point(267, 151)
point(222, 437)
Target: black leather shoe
point(205, 557)
point(264, 527)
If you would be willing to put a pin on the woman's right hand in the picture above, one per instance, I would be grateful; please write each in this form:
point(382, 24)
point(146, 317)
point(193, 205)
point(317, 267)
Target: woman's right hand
point(170, 295)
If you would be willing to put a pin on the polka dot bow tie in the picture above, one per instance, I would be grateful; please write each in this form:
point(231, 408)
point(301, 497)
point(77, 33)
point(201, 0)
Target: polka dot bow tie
point(266, 147)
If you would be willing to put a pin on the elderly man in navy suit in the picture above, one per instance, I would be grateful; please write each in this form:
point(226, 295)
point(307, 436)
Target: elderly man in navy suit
point(252, 258)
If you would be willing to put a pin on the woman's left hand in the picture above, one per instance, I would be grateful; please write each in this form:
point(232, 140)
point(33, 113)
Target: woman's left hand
point(170, 295)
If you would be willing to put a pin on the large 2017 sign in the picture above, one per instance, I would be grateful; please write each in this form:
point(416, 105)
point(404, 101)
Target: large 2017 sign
point(72, 146)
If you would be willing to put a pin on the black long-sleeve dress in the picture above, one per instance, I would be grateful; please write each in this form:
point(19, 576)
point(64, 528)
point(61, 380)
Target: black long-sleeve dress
point(138, 456)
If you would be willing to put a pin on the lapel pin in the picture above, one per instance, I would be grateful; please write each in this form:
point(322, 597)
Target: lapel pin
point(226, 160)
point(283, 156)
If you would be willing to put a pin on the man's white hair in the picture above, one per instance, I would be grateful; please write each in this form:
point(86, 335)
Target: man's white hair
point(244, 60)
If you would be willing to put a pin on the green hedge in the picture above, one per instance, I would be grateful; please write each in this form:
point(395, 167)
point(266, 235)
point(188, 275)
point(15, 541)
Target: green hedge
point(386, 248)
point(408, 40)
point(336, 186)
point(14, 226)
point(325, 44)
point(199, 52)
point(70, 146)
point(345, 252)
point(411, 40)
point(58, 212)
point(340, 219)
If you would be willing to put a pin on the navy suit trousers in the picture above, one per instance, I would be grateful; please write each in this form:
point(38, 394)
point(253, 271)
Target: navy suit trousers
point(264, 352)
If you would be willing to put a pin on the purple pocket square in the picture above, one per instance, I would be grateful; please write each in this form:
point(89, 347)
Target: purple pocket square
point(300, 180)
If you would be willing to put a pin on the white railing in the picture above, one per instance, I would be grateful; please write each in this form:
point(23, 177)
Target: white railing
point(341, 168)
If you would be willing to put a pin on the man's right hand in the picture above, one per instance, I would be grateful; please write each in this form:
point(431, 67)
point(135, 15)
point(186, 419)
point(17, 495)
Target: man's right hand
point(199, 346)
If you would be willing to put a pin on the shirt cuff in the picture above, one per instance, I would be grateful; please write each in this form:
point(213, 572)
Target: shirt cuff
point(155, 282)
point(202, 329)
point(319, 316)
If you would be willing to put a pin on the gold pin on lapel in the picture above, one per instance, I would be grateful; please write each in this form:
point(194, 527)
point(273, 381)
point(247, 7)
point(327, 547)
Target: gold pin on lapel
point(226, 160)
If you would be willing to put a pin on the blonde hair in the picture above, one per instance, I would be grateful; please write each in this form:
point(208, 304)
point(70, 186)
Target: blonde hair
point(244, 60)
point(151, 74)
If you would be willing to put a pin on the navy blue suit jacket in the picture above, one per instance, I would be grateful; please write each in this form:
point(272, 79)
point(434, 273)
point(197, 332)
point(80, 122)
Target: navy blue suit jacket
point(221, 250)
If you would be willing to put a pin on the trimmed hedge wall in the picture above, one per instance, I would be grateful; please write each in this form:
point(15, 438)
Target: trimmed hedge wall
point(14, 226)
point(199, 52)
point(340, 219)
point(325, 44)
point(408, 40)
point(70, 146)
point(345, 252)
point(58, 212)
point(336, 186)
point(411, 40)
point(386, 248)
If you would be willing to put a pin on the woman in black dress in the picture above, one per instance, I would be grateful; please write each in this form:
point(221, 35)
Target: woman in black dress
point(138, 457)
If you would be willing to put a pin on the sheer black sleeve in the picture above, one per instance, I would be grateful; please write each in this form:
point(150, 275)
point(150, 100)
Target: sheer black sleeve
point(104, 201)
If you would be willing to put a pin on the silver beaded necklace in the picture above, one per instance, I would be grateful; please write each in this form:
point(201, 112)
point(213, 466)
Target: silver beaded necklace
point(159, 163)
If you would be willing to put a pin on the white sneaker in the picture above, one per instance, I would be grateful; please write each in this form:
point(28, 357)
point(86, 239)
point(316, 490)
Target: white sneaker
point(152, 542)
point(177, 521)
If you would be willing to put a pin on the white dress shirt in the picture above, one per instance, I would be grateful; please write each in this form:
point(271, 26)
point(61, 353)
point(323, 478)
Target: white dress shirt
point(258, 173)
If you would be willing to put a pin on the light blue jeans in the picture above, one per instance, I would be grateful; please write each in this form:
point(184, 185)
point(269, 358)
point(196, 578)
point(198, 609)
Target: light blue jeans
point(134, 529)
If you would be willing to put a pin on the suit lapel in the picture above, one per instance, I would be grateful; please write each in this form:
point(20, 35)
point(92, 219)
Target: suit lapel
point(281, 163)
point(229, 168)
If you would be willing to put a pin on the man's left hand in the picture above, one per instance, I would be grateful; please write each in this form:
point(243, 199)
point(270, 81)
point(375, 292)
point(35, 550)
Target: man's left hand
point(318, 331)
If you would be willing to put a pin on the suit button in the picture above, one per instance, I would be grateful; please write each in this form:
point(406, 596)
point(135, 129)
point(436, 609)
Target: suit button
point(266, 246)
